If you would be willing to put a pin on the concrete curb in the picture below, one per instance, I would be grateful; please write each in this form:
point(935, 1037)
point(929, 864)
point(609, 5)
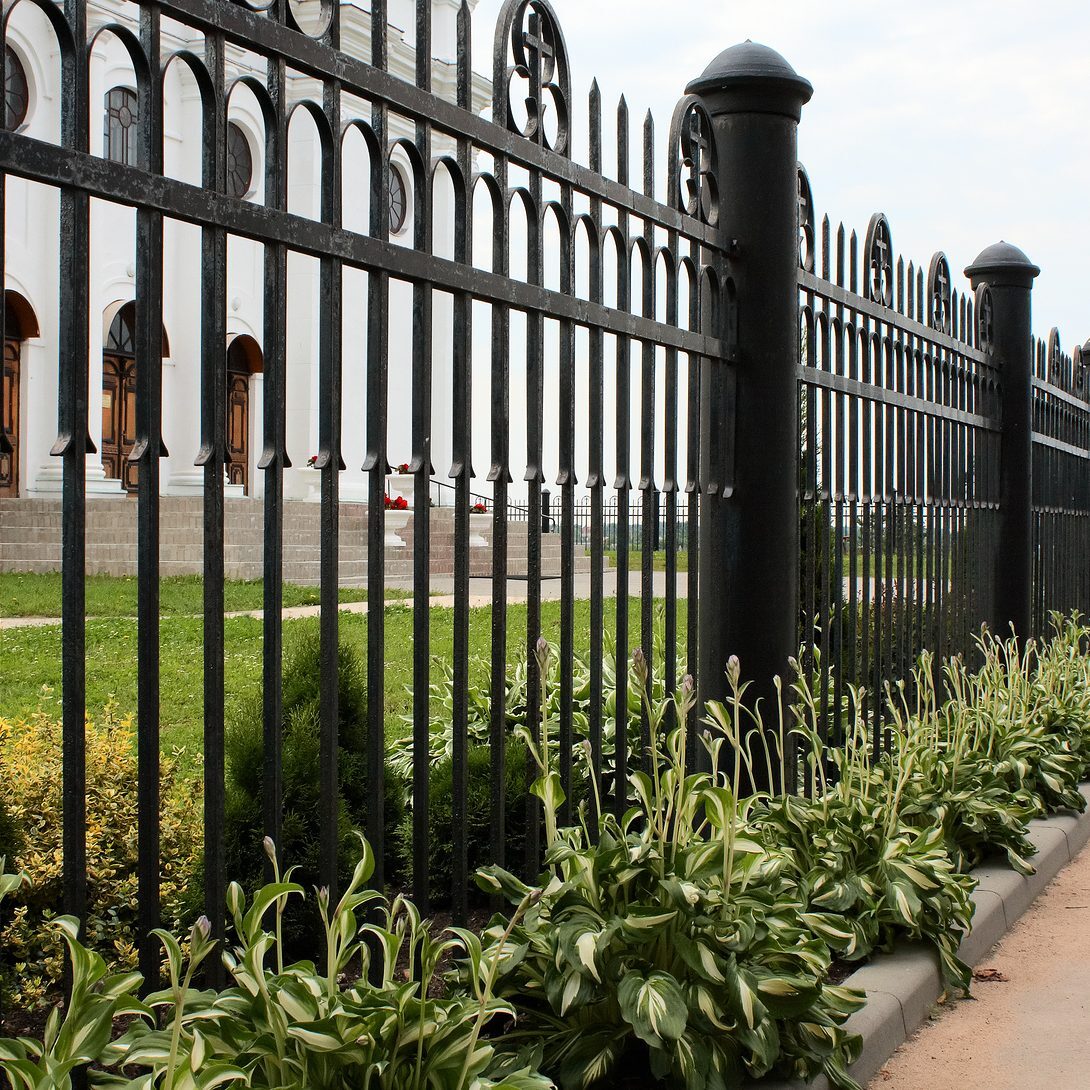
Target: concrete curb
point(902, 986)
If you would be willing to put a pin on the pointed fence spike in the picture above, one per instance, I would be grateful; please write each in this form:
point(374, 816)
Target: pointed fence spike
point(825, 246)
point(622, 141)
point(649, 155)
point(595, 110)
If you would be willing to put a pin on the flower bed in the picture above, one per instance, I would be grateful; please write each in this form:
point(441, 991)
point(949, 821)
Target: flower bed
point(693, 939)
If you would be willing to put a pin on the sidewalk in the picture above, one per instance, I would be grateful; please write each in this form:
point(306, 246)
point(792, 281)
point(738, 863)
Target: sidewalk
point(442, 596)
point(1029, 1027)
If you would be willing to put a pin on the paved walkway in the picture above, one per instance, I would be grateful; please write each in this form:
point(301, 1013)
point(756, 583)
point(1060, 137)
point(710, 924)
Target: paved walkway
point(442, 596)
point(1028, 1028)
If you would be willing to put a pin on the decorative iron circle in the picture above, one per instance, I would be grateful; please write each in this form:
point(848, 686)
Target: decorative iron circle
point(807, 224)
point(528, 36)
point(694, 164)
point(879, 251)
point(939, 294)
point(310, 17)
point(985, 317)
point(1055, 358)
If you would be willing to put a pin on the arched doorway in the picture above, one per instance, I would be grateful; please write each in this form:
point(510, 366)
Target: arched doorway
point(243, 360)
point(19, 324)
point(119, 396)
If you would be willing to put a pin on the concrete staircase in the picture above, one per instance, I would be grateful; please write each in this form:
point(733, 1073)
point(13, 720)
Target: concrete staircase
point(30, 541)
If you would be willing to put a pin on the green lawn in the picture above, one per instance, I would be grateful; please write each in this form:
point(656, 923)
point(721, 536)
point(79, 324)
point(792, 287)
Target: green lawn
point(109, 596)
point(635, 559)
point(32, 659)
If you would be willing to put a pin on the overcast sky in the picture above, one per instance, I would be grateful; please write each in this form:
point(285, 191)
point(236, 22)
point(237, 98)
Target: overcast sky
point(964, 121)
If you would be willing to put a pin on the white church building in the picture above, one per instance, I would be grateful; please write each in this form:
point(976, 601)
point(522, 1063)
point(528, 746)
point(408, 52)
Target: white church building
point(30, 370)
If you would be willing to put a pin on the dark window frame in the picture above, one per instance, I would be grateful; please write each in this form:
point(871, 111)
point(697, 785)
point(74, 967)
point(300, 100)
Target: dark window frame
point(16, 90)
point(121, 112)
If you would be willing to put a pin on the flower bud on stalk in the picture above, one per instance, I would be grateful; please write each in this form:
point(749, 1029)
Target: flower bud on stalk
point(734, 670)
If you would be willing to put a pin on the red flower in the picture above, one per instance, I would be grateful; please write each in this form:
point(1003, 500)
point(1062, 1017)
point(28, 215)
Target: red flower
point(399, 504)
point(403, 467)
point(479, 509)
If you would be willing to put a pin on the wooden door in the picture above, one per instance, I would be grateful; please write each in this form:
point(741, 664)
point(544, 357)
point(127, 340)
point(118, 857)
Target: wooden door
point(119, 419)
point(238, 429)
point(9, 420)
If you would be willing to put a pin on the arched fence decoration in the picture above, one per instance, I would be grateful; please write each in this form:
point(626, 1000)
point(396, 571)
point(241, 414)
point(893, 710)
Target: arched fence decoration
point(856, 456)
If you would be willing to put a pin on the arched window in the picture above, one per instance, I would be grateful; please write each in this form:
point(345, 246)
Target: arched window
point(121, 339)
point(119, 129)
point(240, 162)
point(16, 90)
point(399, 201)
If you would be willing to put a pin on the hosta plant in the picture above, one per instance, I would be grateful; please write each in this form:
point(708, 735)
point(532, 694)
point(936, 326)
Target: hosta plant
point(517, 701)
point(284, 1027)
point(866, 877)
point(1008, 743)
point(669, 940)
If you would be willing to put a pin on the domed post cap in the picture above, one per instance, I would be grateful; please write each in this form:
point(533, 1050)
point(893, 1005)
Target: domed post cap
point(752, 78)
point(1002, 264)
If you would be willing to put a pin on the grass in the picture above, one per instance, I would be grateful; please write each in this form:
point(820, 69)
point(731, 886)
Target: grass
point(32, 660)
point(635, 559)
point(39, 595)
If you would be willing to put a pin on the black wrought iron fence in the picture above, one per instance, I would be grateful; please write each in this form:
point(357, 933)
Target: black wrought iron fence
point(634, 293)
point(842, 450)
point(899, 489)
point(1061, 479)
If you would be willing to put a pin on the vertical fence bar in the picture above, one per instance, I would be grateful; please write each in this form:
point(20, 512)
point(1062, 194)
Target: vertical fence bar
point(376, 464)
point(73, 444)
point(329, 464)
point(462, 472)
point(145, 454)
point(648, 495)
point(595, 456)
point(623, 482)
point(499, 475)
point(755, 100)
point(212, 456)
point(421, 466)
point(274, 456)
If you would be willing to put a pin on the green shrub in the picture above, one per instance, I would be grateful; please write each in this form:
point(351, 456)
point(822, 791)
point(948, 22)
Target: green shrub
point(478, 818)
point(31, 956)
point(301, 762)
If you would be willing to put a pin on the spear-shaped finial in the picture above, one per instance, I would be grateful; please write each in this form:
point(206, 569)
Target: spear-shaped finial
point(595, 110)
point(622, 141)
point(649, 155)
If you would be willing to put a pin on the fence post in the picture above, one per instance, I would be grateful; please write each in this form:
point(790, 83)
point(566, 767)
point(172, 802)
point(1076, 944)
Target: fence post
point(1002, 277)
point(748, 565)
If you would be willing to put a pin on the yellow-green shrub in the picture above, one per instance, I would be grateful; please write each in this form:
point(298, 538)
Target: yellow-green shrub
point(31, 956)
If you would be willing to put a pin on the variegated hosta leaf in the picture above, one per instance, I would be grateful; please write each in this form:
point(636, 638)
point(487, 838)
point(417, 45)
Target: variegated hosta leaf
point(654, 1006)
